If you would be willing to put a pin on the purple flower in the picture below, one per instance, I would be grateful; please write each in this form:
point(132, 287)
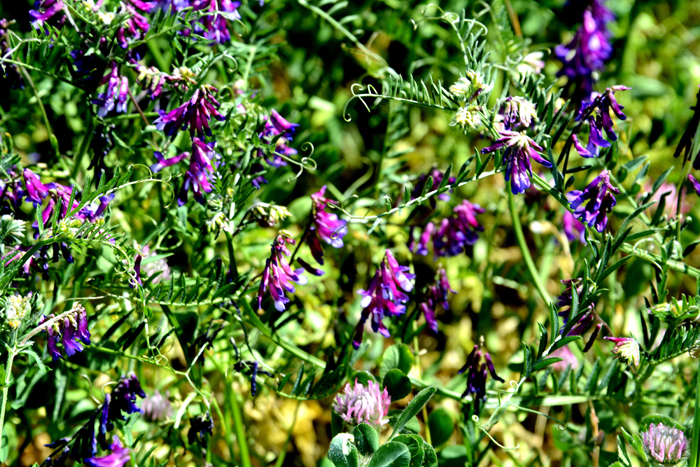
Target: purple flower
point(136, 25)
point(279, 131)
point(598, 110)
point(119, 457)
point(359, 404)
point(599, 199)
point(325, 226)
point(520, 148)
point(71, 330)
point(8, 72)
point(214, 26)
point(157, 407)
point(457, 232)
point(117, 92)
point(665, 444)
point(199, 172)
point(421, 248)
point(163, 162)
point(383, 296)
point(437, 294)
point(477, 373)
point(518, 110)
point(199, 427)
point(278, 276)
point(36, 191)
point(437, 179)
point(696, 184)
point(573, 229)
point(123, 398)
point(626, 348)
point(44, 11)
point(194, 114)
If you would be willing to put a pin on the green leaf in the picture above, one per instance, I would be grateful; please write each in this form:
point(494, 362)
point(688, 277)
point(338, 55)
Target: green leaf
point(391, 454)
point(342, 451)
point(430, 459)
point(336, 423)
point(366, 439)
point(397, 356)
point(545, 363)
point(441, 425)
point(415, 448)
point(413, 408)
point(397, 383)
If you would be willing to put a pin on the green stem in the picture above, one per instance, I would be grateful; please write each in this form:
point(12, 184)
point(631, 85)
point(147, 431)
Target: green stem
point(529, 263)
point(240, 429)
point(695, 446)
point(5, 390)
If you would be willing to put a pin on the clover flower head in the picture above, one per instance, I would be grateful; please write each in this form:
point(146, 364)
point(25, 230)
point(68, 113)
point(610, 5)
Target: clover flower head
point(385, 296)
point(467, 117)
point(665, 444)
point(17, 307)
point(593, 203)
point(363, 404)
point(626, 348)
point(519, 149)
point(154, 267)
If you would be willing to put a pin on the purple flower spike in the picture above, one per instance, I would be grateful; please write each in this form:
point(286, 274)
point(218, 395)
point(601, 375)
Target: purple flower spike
point(359, 404)
point(329, 228)
point(279, 130)
point(573, 229)
point(599, 199)
point(70, 343)
point(457, 232)
point(45, 10)
point(437, 294)
point(383, 296)
point(665, 444)
point(519, 149)
point(123, 398)
point(157, 407)
point(117, 93)
point(136, 26)
point(71, 330)
point(200, 171)
point(194, 114)
point(278, 276)
point(120, 456)
point(477, 373)
point(598, 110)
point(36, 191)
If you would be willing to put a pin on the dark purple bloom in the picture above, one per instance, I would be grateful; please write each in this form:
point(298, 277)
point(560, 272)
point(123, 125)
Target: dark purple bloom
point(597, 110)
point(437, 179)
point(71, 330)
point(136, 25)
point(458, 231)
point(163, 162)
point(199, 427)
point(44, 11)
point(279, 131)
point(9, 73)
point(519, 149)
point(437, 294)
point(89, 67)
point(117, 92)
point(278, 276)
point(696, 184)
point(194, 114)
point(118, 458)
point(123, 398)
point(325, 226)
point(383, 297)
point(36, 191)
point(197, 177)
point(477, 373)
point(599, 199)
point(573, 229)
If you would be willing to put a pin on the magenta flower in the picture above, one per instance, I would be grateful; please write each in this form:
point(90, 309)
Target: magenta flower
point(573, 229)
point(136, 26)
point(44, 11)
point(696, 184)
point(437, 294)
point(36, 191)
point(477, 373)
point(568, 360)
point(325, 226)
point(278, 276)
point(117, 92)
point(665, 444)
point(593, 203)
point(519, 149)
point(194, 114)
point(201, 170)
point(457, 232)
point(279, 130)
point(383, 296)
point(359, 404)
point(118, 458)
point(626, 348)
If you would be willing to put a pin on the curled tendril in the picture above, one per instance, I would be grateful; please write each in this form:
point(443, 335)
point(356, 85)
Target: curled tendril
point(475, 419)
point(108, 383)
point(83, 375)
point(356, 90)
point(305, 163)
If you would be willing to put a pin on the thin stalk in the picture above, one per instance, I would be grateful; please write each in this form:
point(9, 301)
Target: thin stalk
point(695, 446)
point(5, 391)
point(529, 263)
point(416, 350)
point(240, 429)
